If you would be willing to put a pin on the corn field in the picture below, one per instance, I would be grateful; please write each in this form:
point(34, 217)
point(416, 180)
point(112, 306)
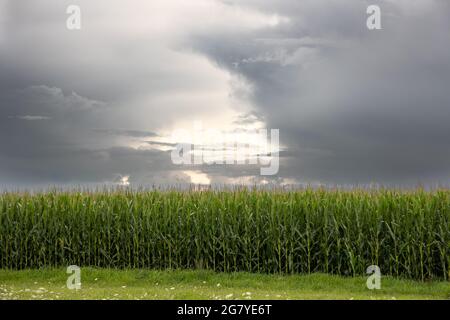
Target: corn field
point(407, 234)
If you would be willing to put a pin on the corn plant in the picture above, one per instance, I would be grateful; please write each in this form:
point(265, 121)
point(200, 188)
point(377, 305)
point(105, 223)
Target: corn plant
point(407, 234)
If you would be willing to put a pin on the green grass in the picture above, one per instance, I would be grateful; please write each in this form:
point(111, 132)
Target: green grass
point(151, 284)
point(407, 234)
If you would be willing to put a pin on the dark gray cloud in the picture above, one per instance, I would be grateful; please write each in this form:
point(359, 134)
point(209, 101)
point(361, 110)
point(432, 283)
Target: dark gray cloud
point(74, 105)
point(352, 105)
point(128, 133)
point(57, 145)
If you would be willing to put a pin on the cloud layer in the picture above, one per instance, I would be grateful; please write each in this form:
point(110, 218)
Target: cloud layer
point(352, 105)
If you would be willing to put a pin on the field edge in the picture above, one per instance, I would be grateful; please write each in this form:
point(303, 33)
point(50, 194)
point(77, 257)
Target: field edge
point(98, 283)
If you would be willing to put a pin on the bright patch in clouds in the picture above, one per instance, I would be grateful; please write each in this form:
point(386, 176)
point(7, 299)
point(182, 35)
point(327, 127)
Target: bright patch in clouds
point(124, 181)
point(198, 177)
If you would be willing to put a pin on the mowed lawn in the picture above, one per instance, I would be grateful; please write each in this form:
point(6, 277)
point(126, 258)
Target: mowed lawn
point(150, 284)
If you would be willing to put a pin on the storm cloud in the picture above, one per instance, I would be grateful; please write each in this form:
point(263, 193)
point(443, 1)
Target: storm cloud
point(353, 106)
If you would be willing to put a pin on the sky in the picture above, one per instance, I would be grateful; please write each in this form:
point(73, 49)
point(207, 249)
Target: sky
point(100, 105)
